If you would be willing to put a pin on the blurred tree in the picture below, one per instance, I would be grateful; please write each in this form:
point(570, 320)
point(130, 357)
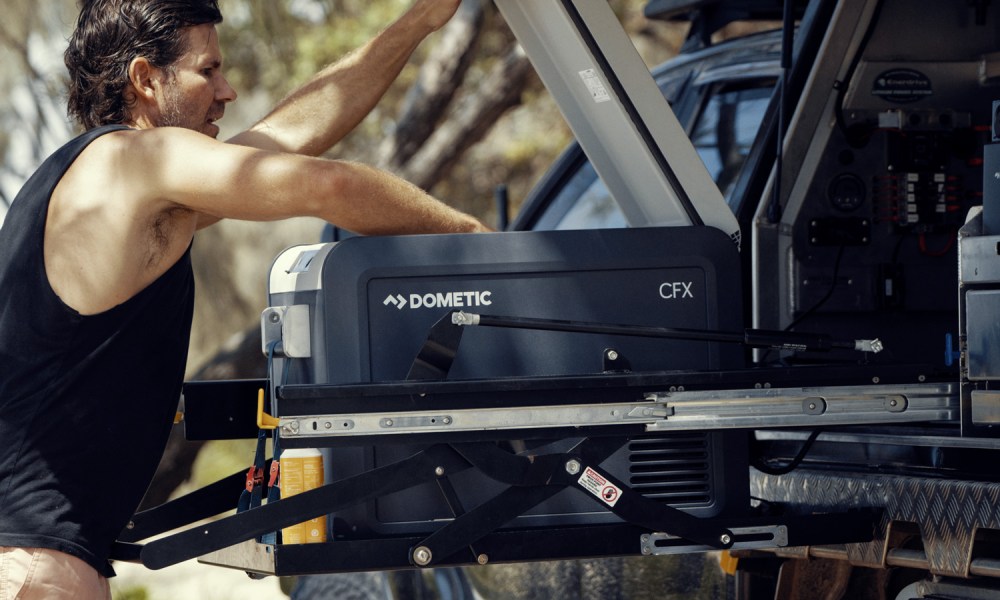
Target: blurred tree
point(32, 111)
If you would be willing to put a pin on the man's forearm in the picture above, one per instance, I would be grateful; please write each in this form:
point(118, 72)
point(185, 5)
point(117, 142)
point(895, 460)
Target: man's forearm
point(321, 112)
point(373, 202)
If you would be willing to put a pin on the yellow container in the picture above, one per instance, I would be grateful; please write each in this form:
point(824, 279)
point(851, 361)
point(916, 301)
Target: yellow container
point(302, 470)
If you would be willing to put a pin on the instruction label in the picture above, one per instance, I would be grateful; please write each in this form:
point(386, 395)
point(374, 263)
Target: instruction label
point(595, 86)
point(597, 485)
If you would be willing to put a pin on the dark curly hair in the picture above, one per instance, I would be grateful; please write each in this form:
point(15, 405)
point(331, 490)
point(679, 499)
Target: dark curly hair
point(109, 35)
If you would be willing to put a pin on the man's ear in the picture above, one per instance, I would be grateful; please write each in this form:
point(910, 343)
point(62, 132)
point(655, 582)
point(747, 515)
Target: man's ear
point(141, 75)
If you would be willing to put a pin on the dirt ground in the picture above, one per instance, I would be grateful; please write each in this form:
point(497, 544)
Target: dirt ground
point(191, 580)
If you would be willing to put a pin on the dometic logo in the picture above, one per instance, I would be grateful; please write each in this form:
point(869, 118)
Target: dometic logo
point(440, 300)
point(673, 290)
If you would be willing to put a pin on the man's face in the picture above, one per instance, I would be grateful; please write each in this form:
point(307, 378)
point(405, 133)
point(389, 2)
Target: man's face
point(195, 93)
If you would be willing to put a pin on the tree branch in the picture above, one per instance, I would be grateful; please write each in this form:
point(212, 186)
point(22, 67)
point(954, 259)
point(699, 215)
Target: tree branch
point(440, 76)
point(499, 91)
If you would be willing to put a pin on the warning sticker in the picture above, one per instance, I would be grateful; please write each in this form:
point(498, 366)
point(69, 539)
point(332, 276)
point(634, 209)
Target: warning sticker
point(597, 485)
point(595, 86)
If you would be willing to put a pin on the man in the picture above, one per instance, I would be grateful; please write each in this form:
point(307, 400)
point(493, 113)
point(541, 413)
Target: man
point(95, 278)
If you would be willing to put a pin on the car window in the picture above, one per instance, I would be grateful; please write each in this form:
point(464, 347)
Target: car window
point(583, 203)
point(723, 133)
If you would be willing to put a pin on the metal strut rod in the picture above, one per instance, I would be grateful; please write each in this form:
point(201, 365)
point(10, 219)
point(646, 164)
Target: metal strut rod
point(533, 479)
point(756, 338)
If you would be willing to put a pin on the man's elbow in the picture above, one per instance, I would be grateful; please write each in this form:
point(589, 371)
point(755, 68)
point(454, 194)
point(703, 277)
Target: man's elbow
point(330, 192)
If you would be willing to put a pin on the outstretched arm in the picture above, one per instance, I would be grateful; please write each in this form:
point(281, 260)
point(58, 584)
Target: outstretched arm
point(222, 181)
point(326, 108)
point(128, 207)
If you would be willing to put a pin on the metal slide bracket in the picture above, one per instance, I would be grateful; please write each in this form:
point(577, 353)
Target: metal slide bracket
point(656, 408)
point(675, 410)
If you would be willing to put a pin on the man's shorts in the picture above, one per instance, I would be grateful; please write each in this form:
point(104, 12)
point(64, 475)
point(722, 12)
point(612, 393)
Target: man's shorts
point(43, 574)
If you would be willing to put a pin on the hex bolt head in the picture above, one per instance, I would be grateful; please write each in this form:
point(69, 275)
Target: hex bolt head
point(422, 556)
point(573, 466)
point(439, 471)
point(482, 559)
point(612, 355)
point(725, 539)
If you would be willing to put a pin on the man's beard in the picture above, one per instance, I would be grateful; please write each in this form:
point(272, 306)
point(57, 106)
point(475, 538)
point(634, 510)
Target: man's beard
point(171, 115)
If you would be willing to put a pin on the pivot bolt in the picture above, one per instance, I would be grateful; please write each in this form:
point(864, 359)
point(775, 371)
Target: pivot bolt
point(422, 556)
point(725, 539)
point(439, 471)
point(612, 355)
point(482, 559)
point(573, 467)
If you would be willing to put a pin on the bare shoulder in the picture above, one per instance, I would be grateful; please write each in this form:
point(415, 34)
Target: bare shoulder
point(109, 233)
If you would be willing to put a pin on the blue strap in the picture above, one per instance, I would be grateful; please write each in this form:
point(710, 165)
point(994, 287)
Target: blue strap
point(252, 492)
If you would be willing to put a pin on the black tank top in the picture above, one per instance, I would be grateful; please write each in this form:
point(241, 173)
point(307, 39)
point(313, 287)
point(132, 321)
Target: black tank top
point(86, 402)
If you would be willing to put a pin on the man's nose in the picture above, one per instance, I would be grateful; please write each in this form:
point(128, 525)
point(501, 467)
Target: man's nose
point(225, 92)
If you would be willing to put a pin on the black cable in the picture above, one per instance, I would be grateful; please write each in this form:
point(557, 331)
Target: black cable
point(763, 467)
point(819, 304)
point(814, 307)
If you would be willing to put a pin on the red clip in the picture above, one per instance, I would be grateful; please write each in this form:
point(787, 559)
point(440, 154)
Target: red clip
point(255, 477)
point(275, 469)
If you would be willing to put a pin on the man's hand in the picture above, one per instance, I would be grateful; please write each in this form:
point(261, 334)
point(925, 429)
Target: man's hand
point(434, 13)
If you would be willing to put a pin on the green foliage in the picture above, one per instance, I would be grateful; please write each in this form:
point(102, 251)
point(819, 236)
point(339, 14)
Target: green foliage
point(221, 458)
point(132, 593)
point(277, 44)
